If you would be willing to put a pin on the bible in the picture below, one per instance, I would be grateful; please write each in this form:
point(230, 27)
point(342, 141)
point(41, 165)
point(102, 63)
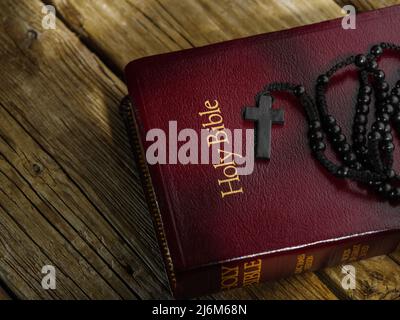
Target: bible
point(221, 224)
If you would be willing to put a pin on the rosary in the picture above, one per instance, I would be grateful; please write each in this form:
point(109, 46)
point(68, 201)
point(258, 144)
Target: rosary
point(369, 158)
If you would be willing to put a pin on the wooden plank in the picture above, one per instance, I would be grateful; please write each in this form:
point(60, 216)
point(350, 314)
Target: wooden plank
point(306, 286)
point(127, 29)
point(301, 287)
point(376, 278)
point(365, 5)
point(69, 194)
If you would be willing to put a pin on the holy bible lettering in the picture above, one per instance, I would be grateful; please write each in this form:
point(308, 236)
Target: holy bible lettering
point(241, 275)
point(218, 138)
point(304, 263)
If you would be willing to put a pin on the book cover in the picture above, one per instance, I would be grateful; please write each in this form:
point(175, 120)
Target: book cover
point(220, 230)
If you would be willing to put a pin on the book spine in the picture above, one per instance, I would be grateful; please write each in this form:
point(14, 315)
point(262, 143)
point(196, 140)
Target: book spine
point(257, 269)
point(127, 114)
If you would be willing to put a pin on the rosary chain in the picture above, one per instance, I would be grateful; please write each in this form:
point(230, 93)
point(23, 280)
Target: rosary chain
point(368, 158)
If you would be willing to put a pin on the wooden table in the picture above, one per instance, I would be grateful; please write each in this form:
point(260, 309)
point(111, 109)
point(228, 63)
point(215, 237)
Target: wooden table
point(70, 195)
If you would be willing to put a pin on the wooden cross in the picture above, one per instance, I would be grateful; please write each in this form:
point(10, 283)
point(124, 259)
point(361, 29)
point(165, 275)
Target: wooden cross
point(264, 116)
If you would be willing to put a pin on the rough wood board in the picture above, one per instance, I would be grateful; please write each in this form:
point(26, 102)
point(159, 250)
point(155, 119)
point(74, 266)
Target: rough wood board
point(376, 278)
point(69, 193)
point(365, 5)
point(124, 30)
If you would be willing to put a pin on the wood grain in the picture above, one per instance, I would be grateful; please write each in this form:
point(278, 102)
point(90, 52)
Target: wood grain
point(366, 5)
point(376, 279)
point(69, 194)
point(130, 29)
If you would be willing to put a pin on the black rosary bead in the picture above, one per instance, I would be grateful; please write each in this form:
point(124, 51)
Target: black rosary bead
point(379, 75)
point(330, 120)
point(397, 84)
point(374, 183)
point(366, 89)
point(343, 148)
point(395, 193)
point(383, 86)
point(362, 108)
point(349, 157)
point(323, 79)
point(383, 117)
point(394, 100)
point(318, 146)
point(334, 130)
point(343, 172)
point(389, 109)
point(359, 128)
point(356, 165)
point(388, 137)
point(388, 147)
point(385, 188)
point(376, 50)
point(396, 91)
point(380, 96)
point(299, 91)
point(391, 174)
point(315, 125)
point(339, 139)
point(359, 139)
point(372, 65)
point(361, 61)
point(361, 119)
point(316, 135)
point(374, 136)
point(396, 117)
point(378, 126)
point(364, 99)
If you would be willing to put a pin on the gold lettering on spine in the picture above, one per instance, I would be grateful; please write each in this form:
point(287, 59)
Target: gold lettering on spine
point(230, 278)
point(252, 272)
point(300, 263)
point(354, 253)
point(304, 263)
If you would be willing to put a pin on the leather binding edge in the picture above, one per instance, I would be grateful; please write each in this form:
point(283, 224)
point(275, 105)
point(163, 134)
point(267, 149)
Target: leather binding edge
point(126, 111)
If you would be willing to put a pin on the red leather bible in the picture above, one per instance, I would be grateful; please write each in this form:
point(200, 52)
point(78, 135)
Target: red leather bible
point(290, 215)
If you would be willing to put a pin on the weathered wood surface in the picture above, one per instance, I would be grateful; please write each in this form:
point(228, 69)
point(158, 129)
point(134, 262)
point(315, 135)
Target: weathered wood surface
point(365, 5)
point(69, 195)
point(127, 29)
point(69, 191)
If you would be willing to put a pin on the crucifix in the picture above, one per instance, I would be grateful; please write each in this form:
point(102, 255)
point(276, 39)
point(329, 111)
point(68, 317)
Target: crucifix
point(265, 117)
